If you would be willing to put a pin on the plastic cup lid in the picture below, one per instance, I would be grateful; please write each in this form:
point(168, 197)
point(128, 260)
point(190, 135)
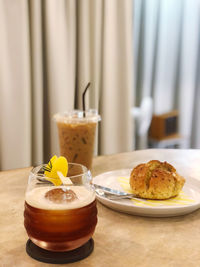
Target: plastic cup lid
point(77, 116)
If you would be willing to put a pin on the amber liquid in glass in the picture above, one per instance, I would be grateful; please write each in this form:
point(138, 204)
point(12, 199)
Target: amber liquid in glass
point(60, 230)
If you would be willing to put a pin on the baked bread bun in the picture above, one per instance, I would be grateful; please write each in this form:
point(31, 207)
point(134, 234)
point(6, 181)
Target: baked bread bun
point(156, 180)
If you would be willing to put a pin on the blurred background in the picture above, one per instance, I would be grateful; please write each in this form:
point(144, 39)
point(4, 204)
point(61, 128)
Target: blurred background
point(142, 58)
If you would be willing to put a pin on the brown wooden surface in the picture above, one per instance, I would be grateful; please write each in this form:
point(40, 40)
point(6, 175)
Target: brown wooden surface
point(120, 239)
point(159, 125)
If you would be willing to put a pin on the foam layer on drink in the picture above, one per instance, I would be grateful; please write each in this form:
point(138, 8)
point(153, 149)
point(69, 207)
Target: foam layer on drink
point(36, 198)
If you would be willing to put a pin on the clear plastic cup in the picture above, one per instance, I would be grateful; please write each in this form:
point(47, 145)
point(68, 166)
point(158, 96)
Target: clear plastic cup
point(77, 135)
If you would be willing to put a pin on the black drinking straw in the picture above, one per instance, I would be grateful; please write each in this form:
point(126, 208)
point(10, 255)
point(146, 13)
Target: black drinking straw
point(83, 98)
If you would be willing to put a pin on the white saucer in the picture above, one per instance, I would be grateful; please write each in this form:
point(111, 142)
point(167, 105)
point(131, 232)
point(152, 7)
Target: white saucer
point(187, 201)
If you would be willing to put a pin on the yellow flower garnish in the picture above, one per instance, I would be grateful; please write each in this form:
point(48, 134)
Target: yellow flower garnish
point(56, 165)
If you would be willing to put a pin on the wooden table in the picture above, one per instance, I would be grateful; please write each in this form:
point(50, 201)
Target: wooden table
point(120, 239)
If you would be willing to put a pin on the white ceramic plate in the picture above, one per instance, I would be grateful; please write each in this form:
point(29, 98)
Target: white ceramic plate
point(187, 201)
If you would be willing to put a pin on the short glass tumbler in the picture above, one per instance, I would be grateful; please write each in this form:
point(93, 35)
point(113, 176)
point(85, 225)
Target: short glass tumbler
point(60, 218)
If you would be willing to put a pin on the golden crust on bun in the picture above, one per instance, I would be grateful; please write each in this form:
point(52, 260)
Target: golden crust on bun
point(156, 180)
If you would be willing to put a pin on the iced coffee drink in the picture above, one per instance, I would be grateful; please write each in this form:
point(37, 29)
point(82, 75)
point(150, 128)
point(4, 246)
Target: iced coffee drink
point(77, 135)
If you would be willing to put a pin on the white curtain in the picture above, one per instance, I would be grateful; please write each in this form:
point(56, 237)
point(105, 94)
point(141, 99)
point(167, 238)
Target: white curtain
point(49, 51)
point(167, 49)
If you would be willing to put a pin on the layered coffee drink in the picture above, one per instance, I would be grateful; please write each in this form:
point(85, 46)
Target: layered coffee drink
point(61, 218)
point(77, 135)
